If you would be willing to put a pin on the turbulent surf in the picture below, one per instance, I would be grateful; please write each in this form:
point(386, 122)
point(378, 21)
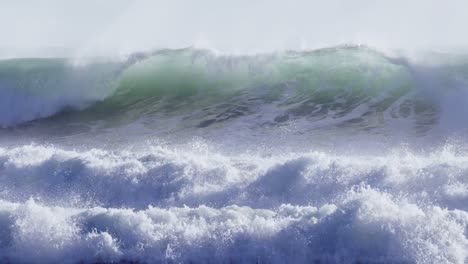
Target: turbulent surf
point(337, 155)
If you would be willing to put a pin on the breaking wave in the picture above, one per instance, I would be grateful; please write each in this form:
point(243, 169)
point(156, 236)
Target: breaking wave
point(337, 155)
point(198, 205)
point(341, 86)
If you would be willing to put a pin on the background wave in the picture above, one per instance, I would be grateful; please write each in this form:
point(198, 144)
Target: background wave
point(341, 86)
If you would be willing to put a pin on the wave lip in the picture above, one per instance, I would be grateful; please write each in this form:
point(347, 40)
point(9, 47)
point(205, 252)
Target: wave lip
point(37, 88)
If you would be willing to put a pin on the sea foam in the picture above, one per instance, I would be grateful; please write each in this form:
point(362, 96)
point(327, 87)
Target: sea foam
point(193, 204)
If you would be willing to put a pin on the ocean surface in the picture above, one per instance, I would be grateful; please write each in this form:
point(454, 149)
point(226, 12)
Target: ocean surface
point(338, 155)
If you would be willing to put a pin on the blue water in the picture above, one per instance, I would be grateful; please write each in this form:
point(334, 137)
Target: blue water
point(338, 155)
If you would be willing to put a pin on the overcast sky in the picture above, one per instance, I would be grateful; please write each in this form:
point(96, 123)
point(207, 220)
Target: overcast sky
point(122, 26)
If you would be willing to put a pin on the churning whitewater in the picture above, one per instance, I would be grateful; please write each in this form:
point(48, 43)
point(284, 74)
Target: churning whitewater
point(337, 155)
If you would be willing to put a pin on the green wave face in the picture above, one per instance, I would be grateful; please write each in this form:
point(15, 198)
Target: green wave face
point(187, 73)
point(325, 82)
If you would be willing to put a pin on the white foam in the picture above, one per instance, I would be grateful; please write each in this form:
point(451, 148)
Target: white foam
point(193, 203)
point(194, 174)
point(368, 225)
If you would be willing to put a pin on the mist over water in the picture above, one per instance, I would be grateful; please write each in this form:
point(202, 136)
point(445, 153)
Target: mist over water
point(121, 27)
point(233, 132)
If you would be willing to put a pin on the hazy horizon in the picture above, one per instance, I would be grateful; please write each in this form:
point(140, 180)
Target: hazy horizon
point(53, 27)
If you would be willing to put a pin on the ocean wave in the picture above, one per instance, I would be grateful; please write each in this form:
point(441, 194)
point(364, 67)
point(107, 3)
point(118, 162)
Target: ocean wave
point(344, 86)
point(338, 155)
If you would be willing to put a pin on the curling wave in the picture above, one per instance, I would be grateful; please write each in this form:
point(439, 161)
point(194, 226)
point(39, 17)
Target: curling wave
point(341, 86)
